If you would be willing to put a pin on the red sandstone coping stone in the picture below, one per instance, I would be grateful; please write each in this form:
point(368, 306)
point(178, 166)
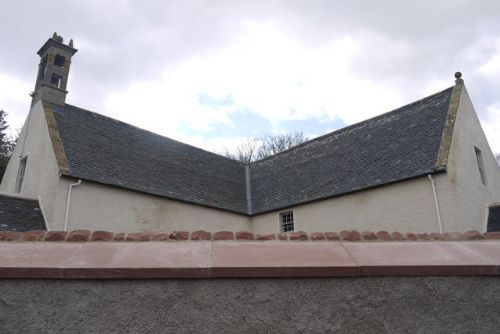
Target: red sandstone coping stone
point(332, 236)
point(398, 236)
point(492, 235)
point(411, 236)
point(120, 236)
point(367, 235)
point(473, 235)
point(201, 235)
point(223, 235)
point(78, 235)
point(424, 236)
point(141, 236)
point(101, 236)
point(35, 235)
point(160, 237)
point(282, 236)
point(350, 235)
point(178, 235)
point(281, 259)
point(300, 235)
point(265, 237)
point(10, 235)
point(429, 258)
point(437, 236)
point(317, 236)
point(384, 236)
point(454, 236)
point(55, 235)
point(244, 235)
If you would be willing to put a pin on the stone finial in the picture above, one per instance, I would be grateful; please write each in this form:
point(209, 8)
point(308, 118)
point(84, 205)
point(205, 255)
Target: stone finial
point(458, 77)
point(57, 38)
point(70, 43)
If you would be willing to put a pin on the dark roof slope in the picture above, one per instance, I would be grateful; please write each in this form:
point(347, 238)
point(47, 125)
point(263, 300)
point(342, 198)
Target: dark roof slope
point(18, 214)
point(394, 146)
point(108, 151)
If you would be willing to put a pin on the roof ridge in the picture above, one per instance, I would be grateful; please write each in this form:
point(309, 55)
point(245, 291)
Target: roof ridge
point(349, 127)
point(154, 133)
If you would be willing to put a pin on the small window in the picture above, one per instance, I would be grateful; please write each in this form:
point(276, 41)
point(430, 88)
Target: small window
point(20, 174)
point(59, 60)
point(286, 221)
point(56, 80)
point(494, 219)
point(480, 165)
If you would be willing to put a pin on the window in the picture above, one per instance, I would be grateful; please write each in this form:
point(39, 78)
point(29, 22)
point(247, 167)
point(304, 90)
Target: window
point(286, 221)
point(494, 219)
point(480, 165)
point(20, 174)
point(56, 80)
point(59, 60)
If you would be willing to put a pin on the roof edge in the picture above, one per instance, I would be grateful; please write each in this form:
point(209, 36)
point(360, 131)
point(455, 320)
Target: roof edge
point(55, 138)
point(447, 136)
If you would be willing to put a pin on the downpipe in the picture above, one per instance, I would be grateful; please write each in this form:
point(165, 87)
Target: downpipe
point(68, 201)
point(436, 203)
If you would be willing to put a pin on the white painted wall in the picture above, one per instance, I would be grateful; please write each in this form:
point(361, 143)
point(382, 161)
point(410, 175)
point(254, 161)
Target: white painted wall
point(99, 207)
point(464, 200)
point(42, 173)
point(405, 206)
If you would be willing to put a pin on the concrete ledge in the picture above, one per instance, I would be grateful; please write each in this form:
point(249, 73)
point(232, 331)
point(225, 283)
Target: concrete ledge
point(207, 259)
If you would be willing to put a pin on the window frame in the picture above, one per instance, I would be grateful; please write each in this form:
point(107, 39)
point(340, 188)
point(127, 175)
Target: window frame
point(290, 220)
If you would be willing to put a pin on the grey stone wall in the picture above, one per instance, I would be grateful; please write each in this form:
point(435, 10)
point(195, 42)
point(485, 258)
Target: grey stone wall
point(344, 305)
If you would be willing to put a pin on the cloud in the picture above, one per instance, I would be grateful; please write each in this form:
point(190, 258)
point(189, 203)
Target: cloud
point(167, 65)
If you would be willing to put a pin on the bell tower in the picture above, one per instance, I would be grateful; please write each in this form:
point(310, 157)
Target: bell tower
point(53, 71)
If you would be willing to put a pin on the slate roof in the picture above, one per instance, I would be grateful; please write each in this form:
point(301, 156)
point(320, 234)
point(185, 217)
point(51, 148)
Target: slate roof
point(18, 214)
point(398, 145)
point(104, 150)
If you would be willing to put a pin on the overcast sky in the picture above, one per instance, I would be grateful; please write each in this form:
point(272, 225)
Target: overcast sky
point(211, 73)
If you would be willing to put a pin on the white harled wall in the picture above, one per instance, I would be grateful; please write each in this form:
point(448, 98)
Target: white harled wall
point(464, 200)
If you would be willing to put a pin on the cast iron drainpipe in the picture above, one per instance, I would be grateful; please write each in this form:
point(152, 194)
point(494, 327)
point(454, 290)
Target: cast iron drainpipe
point(436, 203)
point(68, 201)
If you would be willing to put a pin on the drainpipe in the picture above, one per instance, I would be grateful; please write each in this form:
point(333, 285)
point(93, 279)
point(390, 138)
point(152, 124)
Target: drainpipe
point(68, 201)
point(436, 204)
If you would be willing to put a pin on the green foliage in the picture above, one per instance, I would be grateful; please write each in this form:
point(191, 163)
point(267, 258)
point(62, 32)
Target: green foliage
point(6, 143)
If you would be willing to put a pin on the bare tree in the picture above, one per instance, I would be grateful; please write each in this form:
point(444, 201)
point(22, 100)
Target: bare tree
point(245, 152)
point(259, 148)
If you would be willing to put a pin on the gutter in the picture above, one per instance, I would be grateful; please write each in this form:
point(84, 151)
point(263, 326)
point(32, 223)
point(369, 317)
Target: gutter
point(436, 203)
point(68, 201)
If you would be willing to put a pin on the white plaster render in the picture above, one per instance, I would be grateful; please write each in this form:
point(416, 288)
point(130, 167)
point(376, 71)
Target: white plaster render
point(464, 200)
point(99, 207)
point(41, 177)
point(404, 206)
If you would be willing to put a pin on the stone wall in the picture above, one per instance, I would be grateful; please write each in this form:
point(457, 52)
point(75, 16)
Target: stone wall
point(312, 305)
